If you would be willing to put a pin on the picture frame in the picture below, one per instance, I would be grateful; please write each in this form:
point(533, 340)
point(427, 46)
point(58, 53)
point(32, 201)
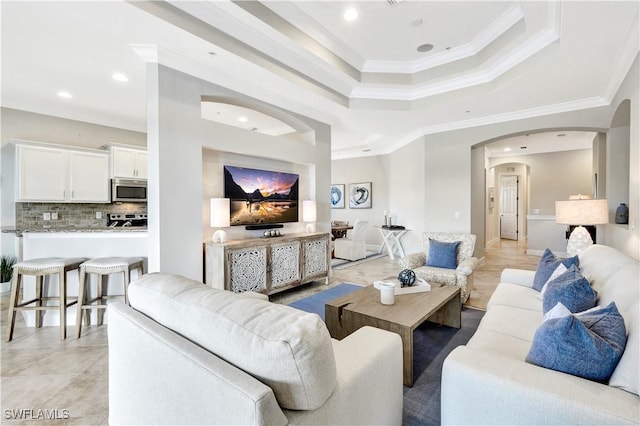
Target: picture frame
point(337, 196)
point(360, 195)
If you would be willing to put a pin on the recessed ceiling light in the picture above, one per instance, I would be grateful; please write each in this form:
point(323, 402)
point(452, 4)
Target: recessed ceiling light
point(350, 14)
point(64, 94)
point(243, 119)
point(120, 77)
point(507, 149)
point(425, 47)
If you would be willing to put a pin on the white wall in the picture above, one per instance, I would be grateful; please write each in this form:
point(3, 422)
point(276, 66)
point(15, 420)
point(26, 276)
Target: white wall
point(177, 136)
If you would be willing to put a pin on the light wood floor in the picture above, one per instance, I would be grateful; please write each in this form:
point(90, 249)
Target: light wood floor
point(40, 372)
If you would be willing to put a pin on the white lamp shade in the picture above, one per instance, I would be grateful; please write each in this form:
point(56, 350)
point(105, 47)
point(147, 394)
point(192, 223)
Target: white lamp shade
point(220, 210)
point(582, 212)
point(309, 211)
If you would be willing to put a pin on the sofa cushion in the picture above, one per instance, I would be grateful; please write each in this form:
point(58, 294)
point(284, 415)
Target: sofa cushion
point(626, 375)
point(437, 275)
point(443, 254)
point(548, 263)
point(572, 290)
point(516, 296)
point(587, 344)
point(285, 348)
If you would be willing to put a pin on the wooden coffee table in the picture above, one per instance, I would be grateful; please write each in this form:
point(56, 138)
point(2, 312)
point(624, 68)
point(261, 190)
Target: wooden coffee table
point(348, 313)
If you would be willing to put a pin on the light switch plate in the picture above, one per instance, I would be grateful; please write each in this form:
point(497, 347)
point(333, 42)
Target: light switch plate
point(46, 216)
point(54, 216)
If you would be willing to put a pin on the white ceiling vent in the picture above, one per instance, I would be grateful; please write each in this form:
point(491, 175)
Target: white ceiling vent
point(511, 169)
point(393, 2)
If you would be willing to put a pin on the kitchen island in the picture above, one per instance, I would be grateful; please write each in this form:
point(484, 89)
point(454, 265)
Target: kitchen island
point(79, 243)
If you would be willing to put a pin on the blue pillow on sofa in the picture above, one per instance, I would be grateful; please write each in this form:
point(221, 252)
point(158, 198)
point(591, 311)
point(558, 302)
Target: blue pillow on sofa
point(443, 255)
point(588, 344)
point(572, 290)
point(548, 263)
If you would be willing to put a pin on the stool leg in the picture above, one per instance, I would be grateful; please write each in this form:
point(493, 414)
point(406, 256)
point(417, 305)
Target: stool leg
point(81, 298)
point(101, 279)
point(39, 280)
point(15, 285)
point(62, 277)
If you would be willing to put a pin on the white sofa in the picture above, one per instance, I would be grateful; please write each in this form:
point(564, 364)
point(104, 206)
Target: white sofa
point(185, 353)
point(488, 381)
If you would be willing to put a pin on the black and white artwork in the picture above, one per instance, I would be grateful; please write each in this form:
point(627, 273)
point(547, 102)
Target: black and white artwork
point(360, 195)
point(337, 196)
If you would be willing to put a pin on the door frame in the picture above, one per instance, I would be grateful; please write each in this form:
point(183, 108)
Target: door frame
point(501, 176)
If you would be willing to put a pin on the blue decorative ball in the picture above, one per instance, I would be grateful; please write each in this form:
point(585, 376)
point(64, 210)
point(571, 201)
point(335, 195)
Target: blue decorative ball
point(407, 277)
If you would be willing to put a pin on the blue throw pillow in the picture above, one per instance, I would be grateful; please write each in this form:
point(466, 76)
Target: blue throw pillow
point(572, 290)
point(587, 345)
point(443, 255)
point(548, 263)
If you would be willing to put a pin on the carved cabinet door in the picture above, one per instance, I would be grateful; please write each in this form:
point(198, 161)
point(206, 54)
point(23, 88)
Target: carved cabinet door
point(316, 257)
point(285, 264)
point(247, 269)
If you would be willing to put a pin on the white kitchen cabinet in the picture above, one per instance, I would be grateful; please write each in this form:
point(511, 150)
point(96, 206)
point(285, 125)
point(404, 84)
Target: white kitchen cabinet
point(42, 173)
point(128, 163)
point(88, 177)
point(50, 174)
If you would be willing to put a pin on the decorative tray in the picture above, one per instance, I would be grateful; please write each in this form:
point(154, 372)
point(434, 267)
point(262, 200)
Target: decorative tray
point(420, 286)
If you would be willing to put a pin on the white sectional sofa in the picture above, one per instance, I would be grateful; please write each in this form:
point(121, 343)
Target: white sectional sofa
point(488, 381)
point(185, 353)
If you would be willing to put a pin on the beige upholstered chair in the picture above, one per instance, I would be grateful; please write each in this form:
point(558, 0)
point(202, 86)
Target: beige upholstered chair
point(354, 246)
point(462, 276)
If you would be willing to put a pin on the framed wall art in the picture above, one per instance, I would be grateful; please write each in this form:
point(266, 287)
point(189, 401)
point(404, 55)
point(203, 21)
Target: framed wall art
point(360, 195)
point(337, 196)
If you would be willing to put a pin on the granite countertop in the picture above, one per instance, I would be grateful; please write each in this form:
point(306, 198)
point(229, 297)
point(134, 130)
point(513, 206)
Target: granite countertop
point(19, 232)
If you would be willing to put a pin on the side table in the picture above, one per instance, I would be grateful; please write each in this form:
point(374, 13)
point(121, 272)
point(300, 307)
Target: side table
point(391, 239)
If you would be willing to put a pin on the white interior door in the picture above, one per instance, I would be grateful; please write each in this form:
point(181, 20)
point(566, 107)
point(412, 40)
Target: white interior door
point(509, 207)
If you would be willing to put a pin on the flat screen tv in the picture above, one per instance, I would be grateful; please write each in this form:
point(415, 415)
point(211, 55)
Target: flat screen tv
point(261, 197)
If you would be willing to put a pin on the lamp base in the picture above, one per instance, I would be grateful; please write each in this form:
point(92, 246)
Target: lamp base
point(310, 228)
point(219, 236)
point(579, 240)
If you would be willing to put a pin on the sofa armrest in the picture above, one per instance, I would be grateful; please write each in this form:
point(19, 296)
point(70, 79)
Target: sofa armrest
point(369, 389)
point(413, 260)
point(501, 390)
point(468, 265)
point(518, 276)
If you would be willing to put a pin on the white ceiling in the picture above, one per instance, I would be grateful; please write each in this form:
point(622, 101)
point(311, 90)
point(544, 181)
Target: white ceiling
point(491, 61)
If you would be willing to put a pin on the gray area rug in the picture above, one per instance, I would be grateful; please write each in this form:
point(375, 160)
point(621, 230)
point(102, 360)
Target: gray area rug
point(431, 345)
point(343, 263)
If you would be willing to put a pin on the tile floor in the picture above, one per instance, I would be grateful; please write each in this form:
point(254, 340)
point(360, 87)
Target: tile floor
point(41, 376)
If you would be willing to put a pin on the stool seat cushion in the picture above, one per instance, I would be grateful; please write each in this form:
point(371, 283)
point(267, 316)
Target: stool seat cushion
point(111, 262)
point(46, 263)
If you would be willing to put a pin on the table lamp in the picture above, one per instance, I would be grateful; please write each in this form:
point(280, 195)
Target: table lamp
point(220, 218)
point(309, 215)
point(580, 211)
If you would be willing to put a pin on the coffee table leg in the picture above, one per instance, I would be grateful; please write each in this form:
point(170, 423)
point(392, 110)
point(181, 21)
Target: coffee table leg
point(406, 334)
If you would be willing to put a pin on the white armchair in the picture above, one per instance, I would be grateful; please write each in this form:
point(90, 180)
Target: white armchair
point(462, 276)
point(354, 246)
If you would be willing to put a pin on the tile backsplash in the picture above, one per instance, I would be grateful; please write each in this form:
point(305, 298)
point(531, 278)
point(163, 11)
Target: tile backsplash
point(30, 216)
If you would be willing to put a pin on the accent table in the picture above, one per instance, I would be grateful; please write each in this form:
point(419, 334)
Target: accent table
point(360, 308)
point(391, 239)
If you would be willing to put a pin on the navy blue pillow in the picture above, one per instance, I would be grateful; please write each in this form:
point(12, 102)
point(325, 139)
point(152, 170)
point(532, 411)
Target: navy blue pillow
point(572, 290)
point(443, 255)
point(587, 345)
point(548, 263)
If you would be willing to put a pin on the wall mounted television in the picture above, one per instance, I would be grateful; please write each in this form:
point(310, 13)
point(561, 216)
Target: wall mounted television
point(261, 197)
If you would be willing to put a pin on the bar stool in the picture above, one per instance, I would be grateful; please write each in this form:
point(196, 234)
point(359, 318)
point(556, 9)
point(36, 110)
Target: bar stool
point(103, 267)
point(40, 268)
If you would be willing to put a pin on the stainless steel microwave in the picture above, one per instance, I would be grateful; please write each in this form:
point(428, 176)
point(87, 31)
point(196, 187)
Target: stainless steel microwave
point(129, 190)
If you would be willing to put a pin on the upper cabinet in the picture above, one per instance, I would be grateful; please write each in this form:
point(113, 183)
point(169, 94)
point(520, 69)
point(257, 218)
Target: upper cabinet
point(128, 163)
point(49, 174)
